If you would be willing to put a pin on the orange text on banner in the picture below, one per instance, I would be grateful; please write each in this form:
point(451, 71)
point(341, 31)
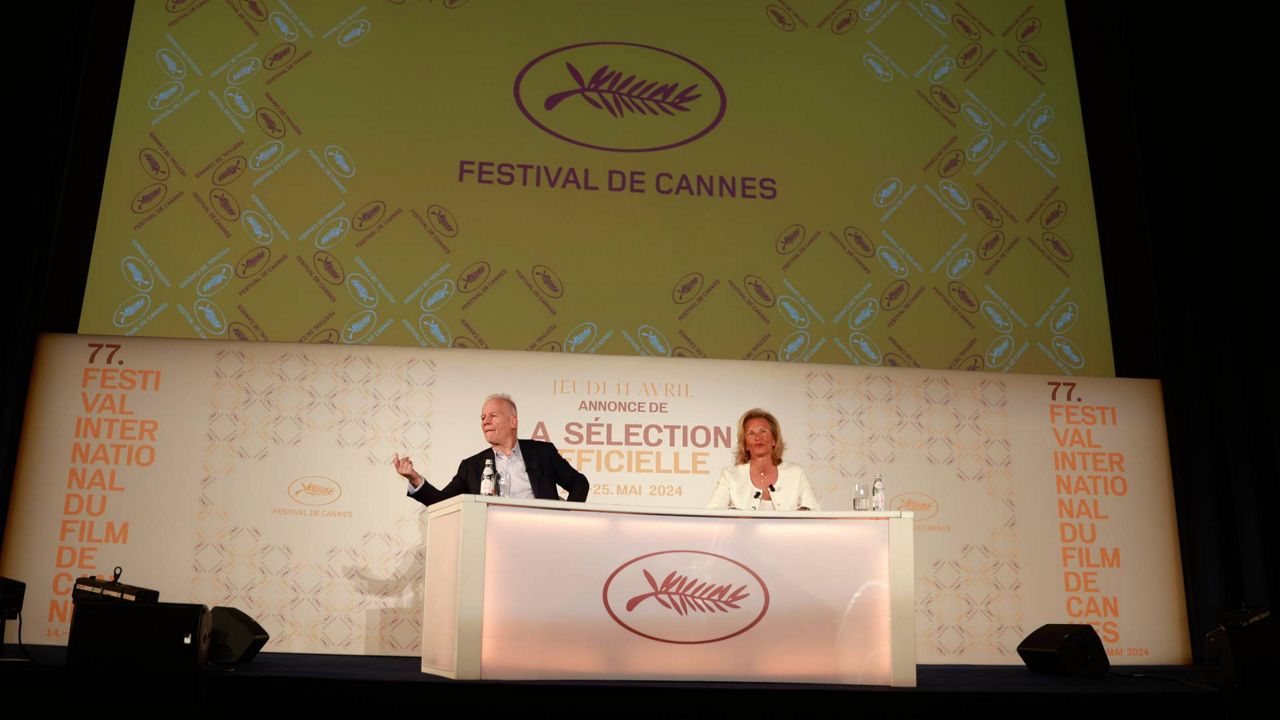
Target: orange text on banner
point(106, 440)
point(1088, 478)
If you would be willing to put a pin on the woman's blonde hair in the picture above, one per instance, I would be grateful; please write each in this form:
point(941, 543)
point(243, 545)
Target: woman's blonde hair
point(779, 446)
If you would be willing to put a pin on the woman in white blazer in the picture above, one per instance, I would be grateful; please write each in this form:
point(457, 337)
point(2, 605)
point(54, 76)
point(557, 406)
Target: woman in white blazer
point(761, 480)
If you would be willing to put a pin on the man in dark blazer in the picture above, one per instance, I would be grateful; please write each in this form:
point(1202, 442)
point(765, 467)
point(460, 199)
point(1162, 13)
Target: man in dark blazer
point(525, 468)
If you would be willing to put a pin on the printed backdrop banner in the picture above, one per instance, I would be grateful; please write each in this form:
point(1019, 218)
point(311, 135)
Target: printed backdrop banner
point(258, 475)
point(879, 183)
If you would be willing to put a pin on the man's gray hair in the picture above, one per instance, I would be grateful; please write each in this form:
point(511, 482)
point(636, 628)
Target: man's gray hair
point(504, 398)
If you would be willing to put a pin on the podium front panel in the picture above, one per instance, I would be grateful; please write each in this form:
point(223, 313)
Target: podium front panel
point(581, 594)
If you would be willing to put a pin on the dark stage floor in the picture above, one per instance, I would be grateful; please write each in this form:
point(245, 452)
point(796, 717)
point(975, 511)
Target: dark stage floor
point(342, 682)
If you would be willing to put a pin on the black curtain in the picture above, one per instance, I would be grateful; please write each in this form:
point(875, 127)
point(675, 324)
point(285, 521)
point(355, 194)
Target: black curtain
point(1175, 123)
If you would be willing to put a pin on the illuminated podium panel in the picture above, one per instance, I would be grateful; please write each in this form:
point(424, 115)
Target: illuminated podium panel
point(540, 589)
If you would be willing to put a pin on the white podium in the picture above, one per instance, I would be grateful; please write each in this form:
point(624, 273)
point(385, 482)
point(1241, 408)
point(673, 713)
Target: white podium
point(541, 589)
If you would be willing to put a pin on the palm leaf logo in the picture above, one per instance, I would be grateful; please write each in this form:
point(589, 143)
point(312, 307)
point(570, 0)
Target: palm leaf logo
point(684, 595)
point(609, 91)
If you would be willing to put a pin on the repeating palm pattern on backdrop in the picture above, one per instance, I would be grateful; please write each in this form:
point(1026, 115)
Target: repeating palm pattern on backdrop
point(939, 442)
point(909, 176)
point(313, 595)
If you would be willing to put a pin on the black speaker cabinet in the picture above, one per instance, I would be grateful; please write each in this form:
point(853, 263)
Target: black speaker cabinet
point(236, 637)
point(1064, 650)
point(1241, 652)
point(159, 636)
point(11, 594)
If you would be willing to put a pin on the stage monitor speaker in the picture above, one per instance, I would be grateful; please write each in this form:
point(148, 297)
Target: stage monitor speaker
point(1241, 652)
point(159, 636)
point(11, 594)
point(236, 637)
point(1064, 650)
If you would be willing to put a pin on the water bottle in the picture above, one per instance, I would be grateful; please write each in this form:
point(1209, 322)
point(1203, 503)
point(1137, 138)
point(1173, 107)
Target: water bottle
point(877, 494)
point(486, 479)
